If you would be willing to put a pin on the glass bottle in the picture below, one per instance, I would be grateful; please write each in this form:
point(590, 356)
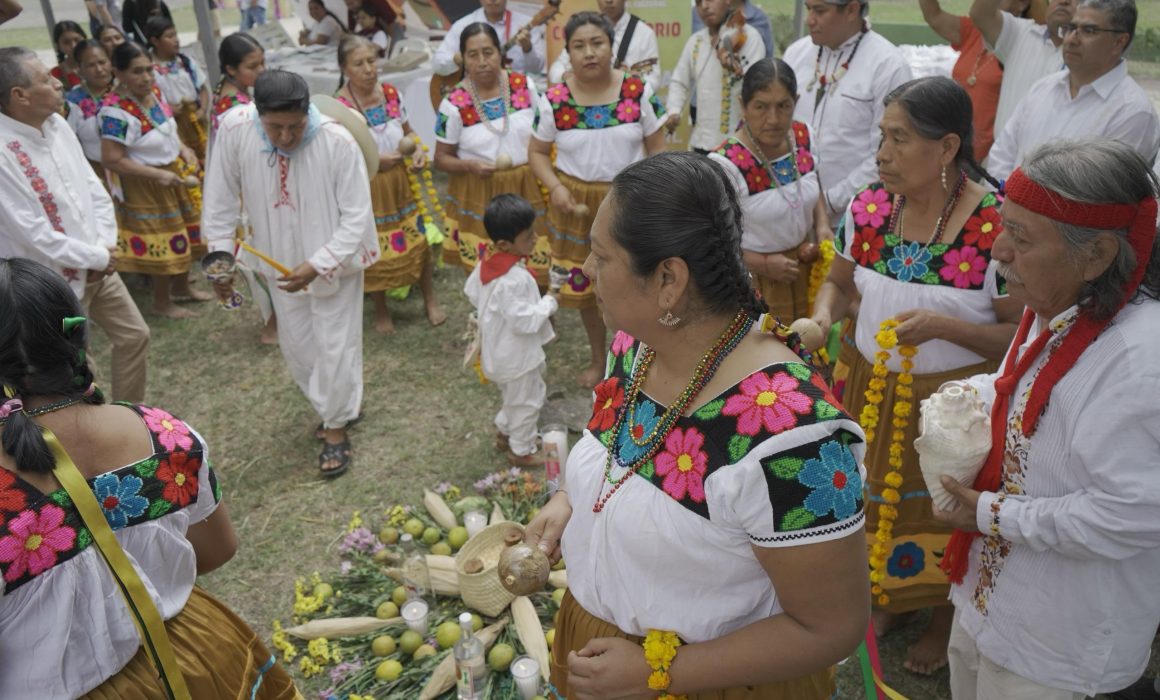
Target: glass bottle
point(470, 665)
point(416, 576)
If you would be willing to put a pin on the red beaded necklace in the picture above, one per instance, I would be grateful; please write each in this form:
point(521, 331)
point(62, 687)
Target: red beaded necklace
point(706, 368)
point(941, 225)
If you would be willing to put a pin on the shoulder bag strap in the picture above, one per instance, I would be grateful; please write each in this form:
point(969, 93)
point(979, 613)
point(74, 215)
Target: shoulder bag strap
point(622, 50)
point(144, 611)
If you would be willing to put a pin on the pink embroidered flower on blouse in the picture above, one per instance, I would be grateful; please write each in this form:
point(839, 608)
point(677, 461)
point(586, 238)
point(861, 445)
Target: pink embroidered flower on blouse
point(682, 464)
point(558, 94)
point(628, 110)
point(171, 433)
point(767, 400)
point(740, 156)
point(621, 342)
point(805, 161)
point(871, 207)
point(34, 541)
point(521, 99)
point(963, 267)
point(459, 98)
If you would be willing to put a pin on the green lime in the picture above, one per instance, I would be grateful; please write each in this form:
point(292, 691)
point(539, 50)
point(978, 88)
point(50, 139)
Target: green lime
point(500, 657)
point(558, 595)
point(389, 535)
point(550, 637)
point(476, 622)
point(383, 645)
point(431, 535)
point(447, 634)
point(441, 547)
point(323, 591)
point(387, 610)
point(388, 670)
point(399, 595)
point(410, 641)
point(457, 537)
point(413, 527)
point(423, 652)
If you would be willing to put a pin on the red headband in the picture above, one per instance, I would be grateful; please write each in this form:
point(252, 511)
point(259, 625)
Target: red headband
point(1140, 220)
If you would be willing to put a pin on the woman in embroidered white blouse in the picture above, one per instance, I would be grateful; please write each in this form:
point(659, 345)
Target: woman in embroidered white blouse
point(717, 493)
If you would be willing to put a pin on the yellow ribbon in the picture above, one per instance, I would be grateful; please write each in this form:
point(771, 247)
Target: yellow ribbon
point(886, 690)
point(265, 258)
point(143, 611)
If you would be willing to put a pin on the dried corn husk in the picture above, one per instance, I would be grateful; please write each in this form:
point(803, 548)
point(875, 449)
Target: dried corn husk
point(440, 561)
point(332, 628)
point(444, 581)
point(438, 509)
point(530, 632)
point(558, 579)
point(497, 515)
point(443, 678)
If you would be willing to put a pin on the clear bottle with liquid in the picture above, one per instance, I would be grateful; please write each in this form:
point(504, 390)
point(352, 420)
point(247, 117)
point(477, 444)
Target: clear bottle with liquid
point(470, 664)
point(416, 575)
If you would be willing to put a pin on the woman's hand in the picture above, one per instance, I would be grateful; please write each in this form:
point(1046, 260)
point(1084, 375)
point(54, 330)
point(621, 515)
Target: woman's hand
point(547, 527)
point(479, 168)
point(917, 326)
point(389, 160)
point(780, 268)
point(561, 199)
point(419, 160)
point(966, 506)
point(608, 668)
point(168, 178)
point(188, 155)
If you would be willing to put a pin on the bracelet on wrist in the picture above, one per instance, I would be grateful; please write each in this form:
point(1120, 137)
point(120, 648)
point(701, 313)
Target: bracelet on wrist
point(660, 648)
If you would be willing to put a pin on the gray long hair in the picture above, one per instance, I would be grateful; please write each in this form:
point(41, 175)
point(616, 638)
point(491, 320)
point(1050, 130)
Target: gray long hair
point(1099, 171)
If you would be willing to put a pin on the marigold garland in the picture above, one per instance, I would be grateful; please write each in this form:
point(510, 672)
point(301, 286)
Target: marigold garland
point(820, 270)
point(185, 169)
point(660, 648)
point(887, 340)
point(432, 195)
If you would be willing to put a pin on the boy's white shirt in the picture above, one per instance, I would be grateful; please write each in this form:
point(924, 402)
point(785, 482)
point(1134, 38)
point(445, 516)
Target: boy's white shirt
point(513, 322)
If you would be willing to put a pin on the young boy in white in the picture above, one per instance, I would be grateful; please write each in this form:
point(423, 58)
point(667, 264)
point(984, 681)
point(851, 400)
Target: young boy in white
point(513, 325)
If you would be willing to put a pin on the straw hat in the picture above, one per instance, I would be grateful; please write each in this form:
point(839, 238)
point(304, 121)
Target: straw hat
point(353, 122)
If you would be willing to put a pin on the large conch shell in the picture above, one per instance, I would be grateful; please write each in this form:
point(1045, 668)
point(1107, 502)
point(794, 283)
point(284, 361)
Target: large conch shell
point(954, 439)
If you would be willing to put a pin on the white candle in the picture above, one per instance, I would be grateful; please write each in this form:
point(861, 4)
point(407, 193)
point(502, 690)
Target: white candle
point(474, 521)
point(526, 673)
point(555, 439)
point(415, 615)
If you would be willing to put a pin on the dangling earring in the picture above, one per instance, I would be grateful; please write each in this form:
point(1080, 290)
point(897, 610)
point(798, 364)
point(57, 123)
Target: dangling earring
point(944, 178)
point(669, 320)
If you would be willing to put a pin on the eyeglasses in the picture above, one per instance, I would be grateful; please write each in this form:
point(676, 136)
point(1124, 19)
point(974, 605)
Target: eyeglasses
point(1085, 30)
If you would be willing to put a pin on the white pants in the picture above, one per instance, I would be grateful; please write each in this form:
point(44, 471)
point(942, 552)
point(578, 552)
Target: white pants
point(519, 418)
point(321, 340)
point(975, 677)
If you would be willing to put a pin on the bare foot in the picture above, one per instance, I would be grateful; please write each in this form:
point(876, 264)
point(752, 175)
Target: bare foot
point(173, 311)
point(535, 459)
point(384, 325)
point(589, 377)
point(885, 622)
point(436, 316)
point(181, 290)
point(929, 653)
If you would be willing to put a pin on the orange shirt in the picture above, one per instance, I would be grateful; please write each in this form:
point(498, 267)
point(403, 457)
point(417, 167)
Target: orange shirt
point(980, 74)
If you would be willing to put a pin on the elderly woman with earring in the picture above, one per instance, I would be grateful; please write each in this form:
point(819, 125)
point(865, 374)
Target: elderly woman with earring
point(600, 122)
point(771, 161)
point(482, 132)
point(916, 248)
point(713, 506)
point(406, 258)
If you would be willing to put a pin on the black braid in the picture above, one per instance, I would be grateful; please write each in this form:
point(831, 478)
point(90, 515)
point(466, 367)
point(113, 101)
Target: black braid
point(38, 358)
point(730, 226)
point(981, 172)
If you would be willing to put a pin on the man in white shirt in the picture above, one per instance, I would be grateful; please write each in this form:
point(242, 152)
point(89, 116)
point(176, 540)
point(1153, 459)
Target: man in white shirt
point(640, 49)
point(54, 210)
point(1027, 50)
point(527, 50)
point(844, 71)
point(307, 195)
point(1093, 96)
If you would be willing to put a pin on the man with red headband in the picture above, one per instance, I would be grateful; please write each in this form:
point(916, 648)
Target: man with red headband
point(1056, 554)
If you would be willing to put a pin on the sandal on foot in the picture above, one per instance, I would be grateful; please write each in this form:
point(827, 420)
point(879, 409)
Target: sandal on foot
point(338, 453)
point(320, 431)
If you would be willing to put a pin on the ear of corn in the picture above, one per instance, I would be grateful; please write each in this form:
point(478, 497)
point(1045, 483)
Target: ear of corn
point(497, 515)
point(444, 580)
point(438, 509)
point(340, 627)
point(530, 632)
point(443, 678)
point(558, 579)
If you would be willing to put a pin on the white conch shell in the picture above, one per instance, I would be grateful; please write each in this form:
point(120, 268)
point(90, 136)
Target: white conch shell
point(954, 439)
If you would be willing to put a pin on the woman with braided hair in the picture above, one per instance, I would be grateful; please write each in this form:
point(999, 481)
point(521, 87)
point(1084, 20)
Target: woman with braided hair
point(242, 60)
point(63, 622)
point(714, 504)
point(916, 248)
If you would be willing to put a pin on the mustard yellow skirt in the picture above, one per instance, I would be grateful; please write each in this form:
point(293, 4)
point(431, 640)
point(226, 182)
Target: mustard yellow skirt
point(219, 655)
point(402, 238)
point(787, 302)
point(913, 580)
point(467, 199)
point(190, 128)
point(570, 243)
point(575, 627)
point(157, 227)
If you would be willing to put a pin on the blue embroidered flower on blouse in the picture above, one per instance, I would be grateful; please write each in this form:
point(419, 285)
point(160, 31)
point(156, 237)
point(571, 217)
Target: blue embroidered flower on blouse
point(909, 261)
point(441, 125)
point(119, 498)
point(834, 478)
point(644, 420)
point(597, 116)
point(116, 128)
point(907, 559)
point(493, 109)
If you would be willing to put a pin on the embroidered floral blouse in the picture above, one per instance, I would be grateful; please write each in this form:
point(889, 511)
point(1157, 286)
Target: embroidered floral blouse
point(773, 461)
point(82, 117)
point(458, 122)
point(224, 104)
point(385, 120)
point(149, 136)
point(955, 277)
point(777, 201)
point(59, 595)
point(595, 142)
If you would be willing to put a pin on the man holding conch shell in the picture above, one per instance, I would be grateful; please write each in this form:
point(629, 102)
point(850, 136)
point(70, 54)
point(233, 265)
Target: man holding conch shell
point(303, 179)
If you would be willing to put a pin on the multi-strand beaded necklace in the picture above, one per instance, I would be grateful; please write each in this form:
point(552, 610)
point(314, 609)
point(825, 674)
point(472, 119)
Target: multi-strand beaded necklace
point(652, 442)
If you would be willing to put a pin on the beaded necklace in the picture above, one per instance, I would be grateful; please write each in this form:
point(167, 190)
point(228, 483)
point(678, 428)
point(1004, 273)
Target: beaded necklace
point(164, 126)
point(706, 368)
point(505, 92)
point(940, 226)
point(47, 408)
point(767, 165)
point(822, 80)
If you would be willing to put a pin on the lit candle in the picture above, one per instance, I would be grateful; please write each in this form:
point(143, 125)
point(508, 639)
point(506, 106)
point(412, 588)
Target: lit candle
point(555, 440)
point(474, 521)
point(415, 615)
point(526, 673)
